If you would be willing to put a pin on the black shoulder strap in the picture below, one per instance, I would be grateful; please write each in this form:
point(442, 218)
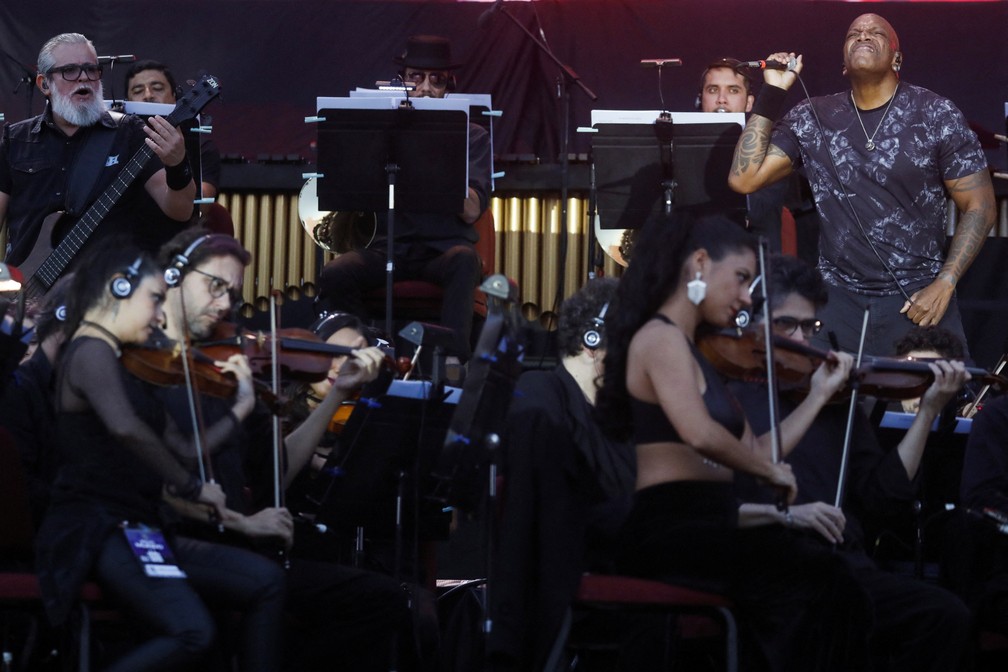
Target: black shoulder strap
point(88, 165)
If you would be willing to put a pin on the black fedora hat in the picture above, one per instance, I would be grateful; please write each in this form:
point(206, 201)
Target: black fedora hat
point(428, 52)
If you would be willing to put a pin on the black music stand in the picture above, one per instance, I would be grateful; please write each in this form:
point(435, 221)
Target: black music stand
point(919, 527)
point(388, 446)
point(644, 170)
point(374, 159)
point(466, 472)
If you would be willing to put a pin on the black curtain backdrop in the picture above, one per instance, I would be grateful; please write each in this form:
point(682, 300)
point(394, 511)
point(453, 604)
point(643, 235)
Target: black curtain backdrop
point(274, 57)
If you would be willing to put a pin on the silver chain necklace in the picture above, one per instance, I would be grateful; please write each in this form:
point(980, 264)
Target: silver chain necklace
point(870, 145)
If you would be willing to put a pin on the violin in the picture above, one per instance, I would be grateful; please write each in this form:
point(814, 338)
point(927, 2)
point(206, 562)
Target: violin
point(301, 354)
point(342, 414)
point(159, 362)
point(739, 354)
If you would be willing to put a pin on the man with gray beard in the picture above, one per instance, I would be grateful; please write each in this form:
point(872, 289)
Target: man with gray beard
point(65, 158)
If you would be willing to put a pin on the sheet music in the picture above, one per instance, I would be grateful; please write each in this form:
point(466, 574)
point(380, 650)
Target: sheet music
point(391, 101)
point(143, 109)
point(649, 116)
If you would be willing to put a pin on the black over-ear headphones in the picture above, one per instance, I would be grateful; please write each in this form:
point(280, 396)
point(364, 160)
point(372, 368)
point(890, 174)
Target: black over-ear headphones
point(594, 337)
point(123, 284)
point(173, 274)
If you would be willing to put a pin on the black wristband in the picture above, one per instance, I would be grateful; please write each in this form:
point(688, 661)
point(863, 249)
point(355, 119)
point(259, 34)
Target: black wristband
point(178, 177)
point(770, 102)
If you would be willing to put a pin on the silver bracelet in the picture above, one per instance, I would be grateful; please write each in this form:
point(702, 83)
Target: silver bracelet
point(788, 519)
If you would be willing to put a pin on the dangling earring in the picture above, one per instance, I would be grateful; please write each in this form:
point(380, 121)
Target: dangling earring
point(696, 290)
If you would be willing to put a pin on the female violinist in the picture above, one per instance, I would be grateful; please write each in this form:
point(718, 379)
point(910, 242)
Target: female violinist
point(691, 436)
point(106, 502)
point(341, 329)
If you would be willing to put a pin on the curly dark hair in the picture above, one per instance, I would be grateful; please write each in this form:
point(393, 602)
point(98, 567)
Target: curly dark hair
point(654, 274)
point(580, 311)
point(940, 340)
point(791, 275)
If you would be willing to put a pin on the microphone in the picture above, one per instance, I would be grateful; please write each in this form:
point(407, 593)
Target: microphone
point(659, 62)
point(769, 65)
point(123, 58)
point(485, 18)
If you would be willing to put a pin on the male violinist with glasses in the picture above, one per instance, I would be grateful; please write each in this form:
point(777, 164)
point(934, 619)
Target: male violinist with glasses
point(427, 246)
point(917, 625)
point(66, 157)
point(335, 613)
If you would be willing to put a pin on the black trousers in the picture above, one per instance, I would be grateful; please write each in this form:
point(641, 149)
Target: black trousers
point(342, 618)
point(798, 605)
point(178, 610)
point(918, 626)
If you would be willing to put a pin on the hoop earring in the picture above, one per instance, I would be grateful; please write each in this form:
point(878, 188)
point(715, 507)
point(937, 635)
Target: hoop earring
point(696, 290)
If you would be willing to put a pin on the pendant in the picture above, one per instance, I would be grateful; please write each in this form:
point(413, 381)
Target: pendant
point(870, 146)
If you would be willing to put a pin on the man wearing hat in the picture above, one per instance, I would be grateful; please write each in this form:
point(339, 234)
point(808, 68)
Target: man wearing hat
point(427, 246)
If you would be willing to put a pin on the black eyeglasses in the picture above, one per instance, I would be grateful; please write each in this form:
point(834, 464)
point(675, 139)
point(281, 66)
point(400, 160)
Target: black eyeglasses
point(438, 80)
point(789, 325)
point(218, 287)
point(72, 72)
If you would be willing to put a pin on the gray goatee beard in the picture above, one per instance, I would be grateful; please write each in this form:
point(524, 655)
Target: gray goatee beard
point(83, 114)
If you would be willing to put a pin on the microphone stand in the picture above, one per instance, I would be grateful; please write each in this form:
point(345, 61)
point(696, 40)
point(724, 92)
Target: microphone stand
point(112, 60)
point(27, 80)
point(567, 75)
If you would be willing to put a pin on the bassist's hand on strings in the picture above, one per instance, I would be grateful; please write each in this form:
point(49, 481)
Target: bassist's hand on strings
point(165, 140)
point(927, 306)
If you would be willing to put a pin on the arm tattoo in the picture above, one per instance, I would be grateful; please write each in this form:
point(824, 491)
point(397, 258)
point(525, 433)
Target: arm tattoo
point(974, 225)
point(751, 149)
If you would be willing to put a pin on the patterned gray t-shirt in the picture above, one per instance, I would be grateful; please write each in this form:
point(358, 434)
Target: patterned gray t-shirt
point(897, 189)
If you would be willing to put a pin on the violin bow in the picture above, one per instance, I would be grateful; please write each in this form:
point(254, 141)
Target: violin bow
point(844, 457)
point(196, 412)
point(278, 491)
point(775, 433)
point(278, 494)
point(971, 408)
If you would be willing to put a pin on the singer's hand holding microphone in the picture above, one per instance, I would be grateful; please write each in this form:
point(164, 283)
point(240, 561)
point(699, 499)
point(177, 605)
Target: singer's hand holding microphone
point(777, 68)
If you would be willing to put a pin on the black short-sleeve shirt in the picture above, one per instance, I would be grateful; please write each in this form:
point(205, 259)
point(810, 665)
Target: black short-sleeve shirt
point(897, 189)
point(36, 160)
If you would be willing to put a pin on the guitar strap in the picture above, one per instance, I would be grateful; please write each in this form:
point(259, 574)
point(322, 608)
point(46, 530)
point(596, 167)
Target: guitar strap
point(88, 165)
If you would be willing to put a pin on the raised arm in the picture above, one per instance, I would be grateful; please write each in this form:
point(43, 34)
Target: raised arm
point(361, 367)
point(756, 162)
point(172, 187)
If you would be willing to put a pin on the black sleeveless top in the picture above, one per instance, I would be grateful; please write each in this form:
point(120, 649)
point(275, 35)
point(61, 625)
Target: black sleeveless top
point(651, 425)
